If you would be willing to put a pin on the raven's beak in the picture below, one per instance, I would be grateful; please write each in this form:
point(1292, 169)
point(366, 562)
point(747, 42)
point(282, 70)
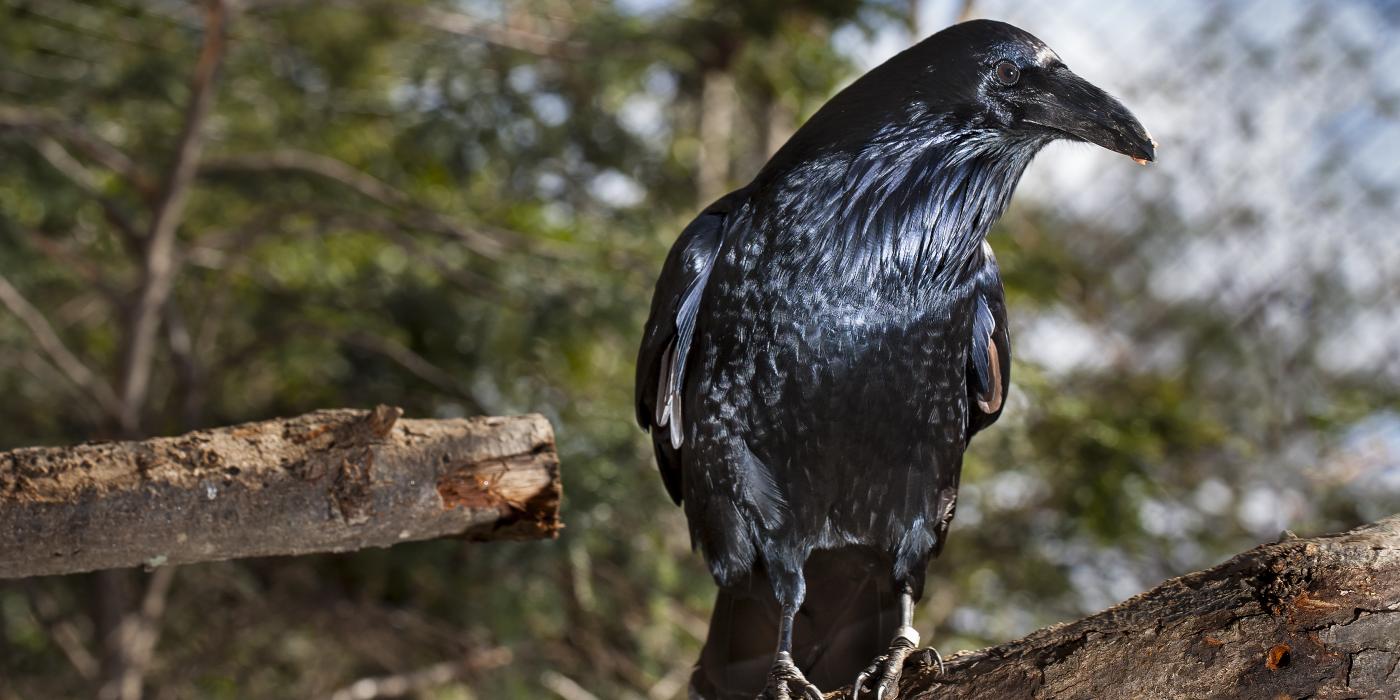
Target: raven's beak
point(1076, 108)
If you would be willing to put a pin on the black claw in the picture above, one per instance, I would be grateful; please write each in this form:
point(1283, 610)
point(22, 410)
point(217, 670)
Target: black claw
point(937, 660)
point(859, 685)
point(889, 668)
point(783, 677)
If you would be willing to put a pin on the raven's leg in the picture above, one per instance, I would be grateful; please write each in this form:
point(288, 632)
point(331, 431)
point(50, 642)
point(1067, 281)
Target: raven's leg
point(889, 667)
point(784, 676)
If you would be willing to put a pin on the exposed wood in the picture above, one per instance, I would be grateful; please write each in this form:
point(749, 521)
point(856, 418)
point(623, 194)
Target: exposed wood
point(328, 481)
point(1301, 618)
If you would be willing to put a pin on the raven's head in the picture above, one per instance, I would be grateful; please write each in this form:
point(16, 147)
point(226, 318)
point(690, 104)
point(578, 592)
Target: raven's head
point(935, 139)
point(984, 81)
point(994, 77)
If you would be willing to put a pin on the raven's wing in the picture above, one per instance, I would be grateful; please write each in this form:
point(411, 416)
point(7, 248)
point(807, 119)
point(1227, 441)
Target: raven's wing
point(661, 362)
point(989, 359)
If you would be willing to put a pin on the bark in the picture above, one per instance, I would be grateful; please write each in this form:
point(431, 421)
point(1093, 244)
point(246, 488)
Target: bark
point(328, 481)
point(1300, 618)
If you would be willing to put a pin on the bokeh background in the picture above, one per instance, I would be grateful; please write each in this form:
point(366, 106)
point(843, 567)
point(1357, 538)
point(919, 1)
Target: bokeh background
point(460, 207)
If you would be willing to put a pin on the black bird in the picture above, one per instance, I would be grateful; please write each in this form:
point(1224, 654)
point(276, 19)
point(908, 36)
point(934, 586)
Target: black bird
point(824, 342)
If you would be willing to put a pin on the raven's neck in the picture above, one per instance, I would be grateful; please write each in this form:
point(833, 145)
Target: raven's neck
point(905, 206)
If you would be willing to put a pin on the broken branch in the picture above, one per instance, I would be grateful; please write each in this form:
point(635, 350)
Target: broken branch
point(329, 481)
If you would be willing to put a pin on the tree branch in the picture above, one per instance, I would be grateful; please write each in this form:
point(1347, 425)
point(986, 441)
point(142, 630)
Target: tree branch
point(17, 118)
point(1317, 617)
point(160, 263)
point(134, 640)
point(416, 365)
point(64, 258)
point(418, 682)
point(328, 481)
point(56, 352)
point(65, 634)
point(504, 35)
point(565, 687)
point(291, 160)
point(43, 371)
point(63, 162)
point(299, 161)
point(180, 341)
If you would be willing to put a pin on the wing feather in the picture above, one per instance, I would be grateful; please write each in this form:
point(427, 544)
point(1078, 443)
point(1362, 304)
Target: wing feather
point(670, 332)
point(989, 358)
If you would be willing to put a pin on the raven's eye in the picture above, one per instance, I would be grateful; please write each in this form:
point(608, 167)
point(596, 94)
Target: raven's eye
point(1008, 73)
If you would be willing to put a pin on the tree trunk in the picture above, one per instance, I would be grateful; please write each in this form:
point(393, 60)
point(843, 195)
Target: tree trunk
point(718, 104)
point(1301, 618)
point(328, 481)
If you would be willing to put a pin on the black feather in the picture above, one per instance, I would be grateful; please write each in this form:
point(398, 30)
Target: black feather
point(665, 351)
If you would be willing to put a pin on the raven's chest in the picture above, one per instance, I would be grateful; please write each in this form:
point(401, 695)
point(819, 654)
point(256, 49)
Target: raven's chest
point(831, 379)
point(832, 345)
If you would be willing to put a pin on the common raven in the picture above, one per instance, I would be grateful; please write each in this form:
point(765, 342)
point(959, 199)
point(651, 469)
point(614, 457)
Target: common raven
point(824, 342)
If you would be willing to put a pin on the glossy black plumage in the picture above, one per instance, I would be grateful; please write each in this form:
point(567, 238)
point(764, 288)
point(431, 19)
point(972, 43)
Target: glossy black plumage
point(824, 342)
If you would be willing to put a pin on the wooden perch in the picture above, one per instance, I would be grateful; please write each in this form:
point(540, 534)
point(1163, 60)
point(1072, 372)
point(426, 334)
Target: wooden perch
point(329, 481)
point(1301, 618)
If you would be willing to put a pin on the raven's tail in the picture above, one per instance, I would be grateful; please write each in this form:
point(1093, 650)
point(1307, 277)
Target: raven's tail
point(849, 617)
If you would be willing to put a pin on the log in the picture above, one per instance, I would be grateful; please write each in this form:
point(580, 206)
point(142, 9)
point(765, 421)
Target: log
point(1300, 618)
point(329, 481)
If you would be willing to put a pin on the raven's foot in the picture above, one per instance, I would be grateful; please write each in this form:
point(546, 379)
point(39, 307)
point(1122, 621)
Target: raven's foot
point(886, 670)
point(785, 678)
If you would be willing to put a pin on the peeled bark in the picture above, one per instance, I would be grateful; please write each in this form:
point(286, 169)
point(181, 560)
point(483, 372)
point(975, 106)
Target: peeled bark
point(1300, 618)
point(329, 481)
